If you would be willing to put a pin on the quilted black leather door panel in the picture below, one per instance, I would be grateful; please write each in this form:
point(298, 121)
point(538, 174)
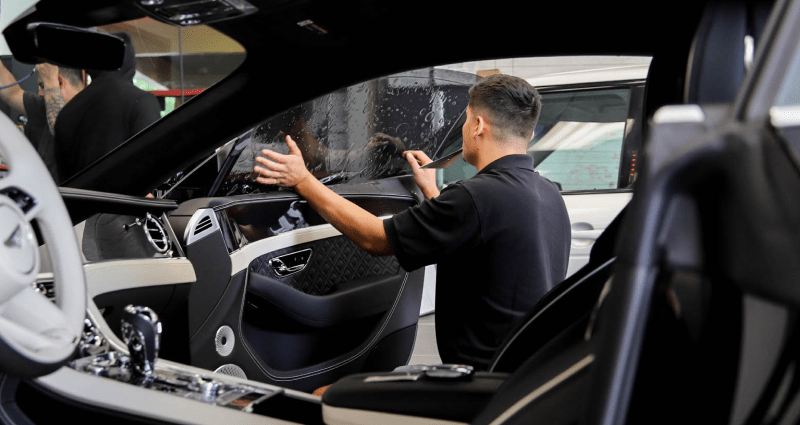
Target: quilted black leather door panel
point(330, 307)
point(333, 261)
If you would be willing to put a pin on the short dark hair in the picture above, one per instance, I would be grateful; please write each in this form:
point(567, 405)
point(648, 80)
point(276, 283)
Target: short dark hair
point(509, 103)
point(71, 74)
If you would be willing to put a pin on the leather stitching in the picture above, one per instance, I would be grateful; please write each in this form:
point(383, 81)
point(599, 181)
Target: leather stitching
point(333, 261)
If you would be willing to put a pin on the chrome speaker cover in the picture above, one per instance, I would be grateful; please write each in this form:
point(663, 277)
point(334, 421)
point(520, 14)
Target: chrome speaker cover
point(231, 370)
point(224, 341)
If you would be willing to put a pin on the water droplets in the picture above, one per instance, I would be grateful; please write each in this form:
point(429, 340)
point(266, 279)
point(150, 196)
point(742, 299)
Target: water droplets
point(401, 130)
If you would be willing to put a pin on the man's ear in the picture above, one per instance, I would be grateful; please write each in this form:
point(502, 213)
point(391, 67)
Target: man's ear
point(482, 126)
point(61, 81)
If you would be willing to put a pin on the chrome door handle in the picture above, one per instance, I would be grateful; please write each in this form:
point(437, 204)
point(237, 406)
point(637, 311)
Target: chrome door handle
point(278, 265)
point(287, 264)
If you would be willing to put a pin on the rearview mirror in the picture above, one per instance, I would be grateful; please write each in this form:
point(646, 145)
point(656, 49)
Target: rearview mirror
point(75, 47)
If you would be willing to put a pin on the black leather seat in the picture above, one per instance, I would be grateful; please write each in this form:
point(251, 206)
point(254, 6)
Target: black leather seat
point(565, 304)
point(560, 360)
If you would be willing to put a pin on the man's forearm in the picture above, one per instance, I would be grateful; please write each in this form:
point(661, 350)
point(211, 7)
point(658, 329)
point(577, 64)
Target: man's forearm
point(54, 102)
point(430, 192)
point(357, 224)
point(12, 95)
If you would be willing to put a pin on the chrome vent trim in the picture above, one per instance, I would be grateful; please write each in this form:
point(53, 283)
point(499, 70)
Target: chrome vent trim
point(203, 223)
point(156, 234)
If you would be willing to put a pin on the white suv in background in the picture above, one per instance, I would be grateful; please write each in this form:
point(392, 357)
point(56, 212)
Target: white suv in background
point(586, 142)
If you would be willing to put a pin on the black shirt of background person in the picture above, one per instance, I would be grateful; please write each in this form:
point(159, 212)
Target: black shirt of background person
point(501, 240)
point(37, 132)
point(102, 116)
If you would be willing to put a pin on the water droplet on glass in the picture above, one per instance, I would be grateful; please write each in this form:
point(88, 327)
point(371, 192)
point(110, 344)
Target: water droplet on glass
point(429, 116)
point(401, 130)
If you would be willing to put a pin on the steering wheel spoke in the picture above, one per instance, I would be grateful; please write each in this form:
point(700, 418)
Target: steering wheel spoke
point(31, 321)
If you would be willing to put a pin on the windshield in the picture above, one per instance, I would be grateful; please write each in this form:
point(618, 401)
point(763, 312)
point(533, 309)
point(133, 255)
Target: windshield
point(358, 133)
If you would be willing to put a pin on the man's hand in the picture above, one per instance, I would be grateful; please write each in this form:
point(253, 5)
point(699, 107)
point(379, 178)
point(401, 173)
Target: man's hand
point(360, 226)
point(283, 170)
point(426, 178)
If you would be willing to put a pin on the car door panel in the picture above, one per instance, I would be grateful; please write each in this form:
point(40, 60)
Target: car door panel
point(340, 282)
point(320, 321)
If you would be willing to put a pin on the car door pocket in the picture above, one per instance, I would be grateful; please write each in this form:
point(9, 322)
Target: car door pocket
point(357, 299)
point(290, 264)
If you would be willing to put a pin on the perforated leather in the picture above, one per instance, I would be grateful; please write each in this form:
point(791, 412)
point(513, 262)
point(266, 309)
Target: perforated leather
point(333, 261)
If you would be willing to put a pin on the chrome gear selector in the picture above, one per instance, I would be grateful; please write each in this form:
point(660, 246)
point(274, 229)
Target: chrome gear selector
point(141, 331)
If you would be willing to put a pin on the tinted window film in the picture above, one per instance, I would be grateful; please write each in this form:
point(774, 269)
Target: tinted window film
point(578, 141)
point(359, 133)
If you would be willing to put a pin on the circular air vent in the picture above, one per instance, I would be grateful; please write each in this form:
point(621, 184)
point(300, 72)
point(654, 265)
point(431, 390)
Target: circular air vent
point(156, 234)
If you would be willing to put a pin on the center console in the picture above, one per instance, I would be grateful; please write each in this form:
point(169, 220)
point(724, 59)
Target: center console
point(133, 380)
point(135, 364)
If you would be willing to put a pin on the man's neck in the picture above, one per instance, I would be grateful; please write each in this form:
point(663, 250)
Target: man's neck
point(495, 150)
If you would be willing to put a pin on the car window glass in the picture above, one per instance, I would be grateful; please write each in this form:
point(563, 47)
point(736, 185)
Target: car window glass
point(355, 134)
point(789, 93)
point(577, 143)
point(359, 133)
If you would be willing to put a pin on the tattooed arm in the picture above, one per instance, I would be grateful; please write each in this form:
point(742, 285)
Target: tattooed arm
point(53, 99)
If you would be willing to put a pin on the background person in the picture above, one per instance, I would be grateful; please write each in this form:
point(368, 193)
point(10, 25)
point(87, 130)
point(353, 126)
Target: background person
point(103, 116)
point(57, 86)
point(501, 238)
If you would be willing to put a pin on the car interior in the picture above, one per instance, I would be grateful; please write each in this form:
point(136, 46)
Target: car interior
point(685, 312)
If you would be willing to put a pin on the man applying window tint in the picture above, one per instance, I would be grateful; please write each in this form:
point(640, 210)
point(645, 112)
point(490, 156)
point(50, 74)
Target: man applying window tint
point(500, 239)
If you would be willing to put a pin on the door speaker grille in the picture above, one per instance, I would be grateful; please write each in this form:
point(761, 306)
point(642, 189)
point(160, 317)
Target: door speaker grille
point(231, 370)
point(224, 341)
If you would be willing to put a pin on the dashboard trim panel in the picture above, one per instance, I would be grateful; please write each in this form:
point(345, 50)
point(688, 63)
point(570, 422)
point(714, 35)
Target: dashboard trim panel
point(109, 276)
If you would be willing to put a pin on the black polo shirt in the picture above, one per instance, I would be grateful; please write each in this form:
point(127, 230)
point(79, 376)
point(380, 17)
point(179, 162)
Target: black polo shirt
point(38, 133)
point(501, 241)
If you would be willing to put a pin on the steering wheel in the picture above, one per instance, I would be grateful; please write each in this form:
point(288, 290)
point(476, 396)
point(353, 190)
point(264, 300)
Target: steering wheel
point(36, 335)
